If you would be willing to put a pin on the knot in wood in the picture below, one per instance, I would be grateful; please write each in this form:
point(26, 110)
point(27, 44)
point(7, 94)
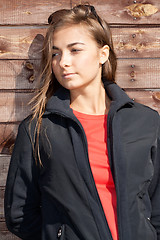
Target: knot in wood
point(31, 79)
point(134, 50)
point(3, 46)
point(132, 80)
point(132, 74)
point(138, 10)
point(156, 96)
point(29, 66)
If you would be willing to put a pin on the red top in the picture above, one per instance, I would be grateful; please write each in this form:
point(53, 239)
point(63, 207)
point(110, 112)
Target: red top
point(95, 127)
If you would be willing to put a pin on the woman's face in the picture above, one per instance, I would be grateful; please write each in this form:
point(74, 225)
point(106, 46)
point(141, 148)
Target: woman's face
point(77, 60)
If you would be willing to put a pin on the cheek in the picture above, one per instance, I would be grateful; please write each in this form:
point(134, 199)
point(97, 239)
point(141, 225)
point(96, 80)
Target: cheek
point(54, 67)
point(56, 72)
point(92, 57)
point(87, 61)
point(53, 63)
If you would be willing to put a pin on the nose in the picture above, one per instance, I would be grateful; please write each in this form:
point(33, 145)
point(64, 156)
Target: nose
point(65, 60)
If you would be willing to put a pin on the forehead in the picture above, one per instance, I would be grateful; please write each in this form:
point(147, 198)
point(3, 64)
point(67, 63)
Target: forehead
point(69, 34)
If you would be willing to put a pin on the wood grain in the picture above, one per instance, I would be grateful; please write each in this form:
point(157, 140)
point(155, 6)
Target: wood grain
point(8, 134)
point(136, 42)
point(14, 106)
point(21, 42)
point(147, 98)
point(4, 164)
point(2, 189)
point(33, 12)
point(19, 74)
point(116, 12)
point(131, 73)
point(30, 11)
point(129, 42)
point(138, 73)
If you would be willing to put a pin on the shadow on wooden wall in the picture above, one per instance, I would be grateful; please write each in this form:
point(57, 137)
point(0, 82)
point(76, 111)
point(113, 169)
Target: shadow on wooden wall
point(25, 84)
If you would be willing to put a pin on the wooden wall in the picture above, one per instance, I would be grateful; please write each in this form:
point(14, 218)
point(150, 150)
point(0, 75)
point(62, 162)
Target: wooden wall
point(136, 35)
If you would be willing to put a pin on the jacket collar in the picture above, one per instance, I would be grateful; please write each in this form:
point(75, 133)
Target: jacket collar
point(117, 95)
point(60, 101)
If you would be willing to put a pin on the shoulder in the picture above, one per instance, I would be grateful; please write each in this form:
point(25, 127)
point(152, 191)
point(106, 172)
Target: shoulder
point(146, 111)
point(140, 118)
point(27, 126)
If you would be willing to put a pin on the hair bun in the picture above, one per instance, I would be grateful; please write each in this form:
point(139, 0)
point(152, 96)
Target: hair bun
point(58, 15)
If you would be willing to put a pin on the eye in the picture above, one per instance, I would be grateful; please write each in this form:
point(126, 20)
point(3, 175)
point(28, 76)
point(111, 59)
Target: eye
point(55, 54)
point(75, 50)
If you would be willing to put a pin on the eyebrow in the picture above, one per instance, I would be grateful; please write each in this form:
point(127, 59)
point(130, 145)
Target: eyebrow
point(69, 45)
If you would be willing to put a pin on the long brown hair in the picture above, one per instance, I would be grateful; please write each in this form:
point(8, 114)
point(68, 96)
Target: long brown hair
point(99, 30)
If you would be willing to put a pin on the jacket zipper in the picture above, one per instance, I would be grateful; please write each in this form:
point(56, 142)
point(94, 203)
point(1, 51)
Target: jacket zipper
point(109, 237)
point(111, 114)
point(94, 186)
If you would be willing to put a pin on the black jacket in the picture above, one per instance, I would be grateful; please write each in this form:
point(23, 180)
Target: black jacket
point(60, 199)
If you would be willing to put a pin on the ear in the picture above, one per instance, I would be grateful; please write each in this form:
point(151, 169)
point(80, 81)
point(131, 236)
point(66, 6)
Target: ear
point(104, 54)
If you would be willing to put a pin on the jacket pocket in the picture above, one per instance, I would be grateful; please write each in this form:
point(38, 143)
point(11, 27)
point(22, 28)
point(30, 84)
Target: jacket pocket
point(144, 198)
point(152, 228)
point(146, 210)
point(61, 232)
point(65, 232)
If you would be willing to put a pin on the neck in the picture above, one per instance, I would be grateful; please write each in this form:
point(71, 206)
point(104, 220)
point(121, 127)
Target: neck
point(90, 100)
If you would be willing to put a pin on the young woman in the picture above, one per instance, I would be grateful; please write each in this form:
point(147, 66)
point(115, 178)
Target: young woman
point(86, 163)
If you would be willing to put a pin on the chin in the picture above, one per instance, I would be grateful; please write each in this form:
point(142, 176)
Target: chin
point(70, 87)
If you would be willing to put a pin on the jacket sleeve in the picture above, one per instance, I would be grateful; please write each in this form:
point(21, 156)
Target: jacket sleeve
point(22, 195)
point(155, 188)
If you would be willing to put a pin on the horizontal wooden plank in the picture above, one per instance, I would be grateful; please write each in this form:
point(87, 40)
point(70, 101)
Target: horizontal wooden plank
point(130, 42)
point(21, 43)
point(33, 12)
point(19, 74)
point(14, 106)
point(148, 98)
point(131, 73)
point(126, 11)
point(136, 42)
point(138, 73)
point(29, 12)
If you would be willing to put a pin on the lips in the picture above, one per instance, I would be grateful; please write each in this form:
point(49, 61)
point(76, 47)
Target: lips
point(68, 75)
